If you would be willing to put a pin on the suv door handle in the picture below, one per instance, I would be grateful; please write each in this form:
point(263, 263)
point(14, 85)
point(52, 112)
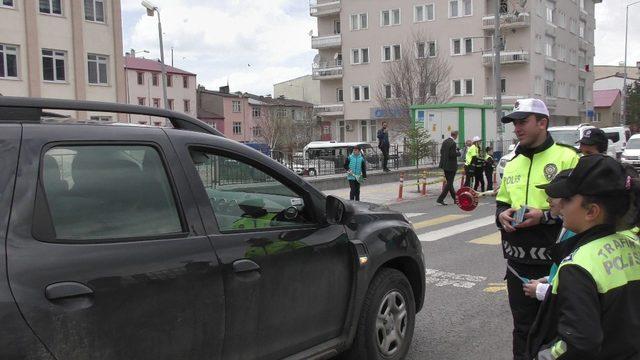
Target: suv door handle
point(67, 289)
point(244, 265)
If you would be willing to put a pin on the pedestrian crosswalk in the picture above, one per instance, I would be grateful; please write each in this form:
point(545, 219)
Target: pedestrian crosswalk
point(456, 226)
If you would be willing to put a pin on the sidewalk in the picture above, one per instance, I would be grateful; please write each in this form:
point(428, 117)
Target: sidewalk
point(387, 193)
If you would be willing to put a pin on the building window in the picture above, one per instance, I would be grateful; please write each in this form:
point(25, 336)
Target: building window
point(538, 43)
point(154, 79)
point(457, 87)
point(468, 86)
point(255, 111)
point(141, 101)
point(391, 53)
point(503, 86)
point(237, 128)
point(550, 7)
point(359, 56)
point(53, 65)
point(573, 26)
point(427, 49)
point(169, 80)
point(185, 82)
point(548, 47)
point(336, 27)
point(7, 3)
point(581, 90)
point(549, 84)
point(582, 59)
point(390, 17)
point(360, 93)
point(339, 95)
point(170, 103)
point(94, 10)
point(156, 102)
point(256, 131)
point(187, 106)
point(235, 104)
point(97, 65)
point(359, 21)
point(387, 91)
point(538, 86)
point(561, 18)
point(458, 8)
point(8, 61)
point(583, 25)
point(456, 46)
point(140, 76)
point(51, 7)
point(423, 13)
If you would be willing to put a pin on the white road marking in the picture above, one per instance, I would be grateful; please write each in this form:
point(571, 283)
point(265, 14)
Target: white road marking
point(442, 278)
point(412, 215)
point(457, 229)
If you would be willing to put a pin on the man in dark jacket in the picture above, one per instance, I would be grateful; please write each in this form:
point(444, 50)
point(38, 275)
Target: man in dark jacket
point(449, 163)
point(383, 145)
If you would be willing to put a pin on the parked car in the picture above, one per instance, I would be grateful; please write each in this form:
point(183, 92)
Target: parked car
point(138, 242)
point(505, 159)
point(570, 135)
point(631, 154)
point(328, 157)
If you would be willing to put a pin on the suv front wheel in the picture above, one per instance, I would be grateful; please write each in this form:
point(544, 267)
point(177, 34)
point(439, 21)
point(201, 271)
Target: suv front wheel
point(386, 324)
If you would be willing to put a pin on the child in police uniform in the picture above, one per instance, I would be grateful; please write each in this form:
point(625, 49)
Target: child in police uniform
point(592, 310)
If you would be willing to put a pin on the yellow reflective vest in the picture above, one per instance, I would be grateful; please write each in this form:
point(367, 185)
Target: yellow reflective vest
point(471, 152)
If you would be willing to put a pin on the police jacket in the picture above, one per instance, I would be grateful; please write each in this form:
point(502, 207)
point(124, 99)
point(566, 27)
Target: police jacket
point(531, 167)
point(592, 310)
point(472, 152)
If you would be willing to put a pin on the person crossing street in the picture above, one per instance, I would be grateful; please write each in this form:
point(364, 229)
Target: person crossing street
point(469, 168)
point(356, 167)
point(449, 164)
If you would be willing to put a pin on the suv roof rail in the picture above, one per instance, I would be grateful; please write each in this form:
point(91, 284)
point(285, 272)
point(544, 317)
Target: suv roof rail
point(25, 109)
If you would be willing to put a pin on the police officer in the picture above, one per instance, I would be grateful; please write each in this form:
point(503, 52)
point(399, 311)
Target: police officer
point(470, 155)
point(525, 245)
point(592, 310)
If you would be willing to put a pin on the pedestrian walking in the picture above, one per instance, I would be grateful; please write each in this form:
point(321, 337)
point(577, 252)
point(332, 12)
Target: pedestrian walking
point(449, 154)
point(489, 165)
point(472, 152)
point(592, 310)
point(526, 241)
point(478, 166)
point(356, 172)
point(383, 145)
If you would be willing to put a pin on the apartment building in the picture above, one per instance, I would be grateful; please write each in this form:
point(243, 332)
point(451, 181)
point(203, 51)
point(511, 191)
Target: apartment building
point(303, 88)
point(62, 49)
point(547, 53)
point(144, 87)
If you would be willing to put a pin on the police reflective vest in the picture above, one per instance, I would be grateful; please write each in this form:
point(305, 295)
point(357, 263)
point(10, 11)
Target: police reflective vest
point(531, 167)
point(592, 310)
point(471, 153)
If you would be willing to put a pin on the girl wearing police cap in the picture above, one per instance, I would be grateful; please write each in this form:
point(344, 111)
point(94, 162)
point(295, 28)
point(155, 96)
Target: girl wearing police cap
point(592, 310)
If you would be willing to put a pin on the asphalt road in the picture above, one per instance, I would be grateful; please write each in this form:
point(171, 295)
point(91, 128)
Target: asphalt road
point(466, 313)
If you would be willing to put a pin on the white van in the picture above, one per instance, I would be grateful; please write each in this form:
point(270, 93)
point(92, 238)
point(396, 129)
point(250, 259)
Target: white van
point(328, 157)
point(619, 135)
point(631, 154)
point(569, 135)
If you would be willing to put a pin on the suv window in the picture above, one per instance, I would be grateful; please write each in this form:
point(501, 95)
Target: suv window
point(246, 198)
point(108, 192)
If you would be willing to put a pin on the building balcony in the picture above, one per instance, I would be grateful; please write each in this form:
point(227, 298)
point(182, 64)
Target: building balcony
point(507, 58)
point(324, 8)
point(506, 99)
point(551, 102)
point(550, 63)
point(327, 70)
point(507, 21)
point(326, 42)
point(550, 29)
point(329, 110)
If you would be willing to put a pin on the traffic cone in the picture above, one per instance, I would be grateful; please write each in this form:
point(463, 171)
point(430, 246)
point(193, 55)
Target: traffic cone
point(424, 183)
point(401, 185)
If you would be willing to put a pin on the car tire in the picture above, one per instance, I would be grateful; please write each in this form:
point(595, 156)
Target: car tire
point(387, 319)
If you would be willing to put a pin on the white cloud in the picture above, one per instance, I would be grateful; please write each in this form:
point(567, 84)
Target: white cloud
point(609, 34)
point(253, 43)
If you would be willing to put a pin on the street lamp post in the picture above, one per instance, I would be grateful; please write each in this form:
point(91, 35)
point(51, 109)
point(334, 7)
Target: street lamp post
point(624, 87)
point(151, 9)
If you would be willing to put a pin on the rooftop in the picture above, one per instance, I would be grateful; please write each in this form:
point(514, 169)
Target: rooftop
point(136, 63)
point(605, 98)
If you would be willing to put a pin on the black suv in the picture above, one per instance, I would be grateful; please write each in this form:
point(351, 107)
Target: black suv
point(135, 242)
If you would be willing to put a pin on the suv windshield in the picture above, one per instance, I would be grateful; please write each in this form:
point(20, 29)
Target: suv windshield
point(633, 144)
point(567, 137)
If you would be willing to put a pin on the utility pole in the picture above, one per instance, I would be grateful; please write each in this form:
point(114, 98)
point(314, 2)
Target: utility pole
point(497, 71)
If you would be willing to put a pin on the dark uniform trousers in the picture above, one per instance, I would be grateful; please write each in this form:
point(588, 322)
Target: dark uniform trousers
point(523, 308)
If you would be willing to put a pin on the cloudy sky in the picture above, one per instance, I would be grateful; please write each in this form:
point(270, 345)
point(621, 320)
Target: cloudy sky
point(254, 44)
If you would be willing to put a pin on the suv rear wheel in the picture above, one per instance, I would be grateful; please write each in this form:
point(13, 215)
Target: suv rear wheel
point(386, 324)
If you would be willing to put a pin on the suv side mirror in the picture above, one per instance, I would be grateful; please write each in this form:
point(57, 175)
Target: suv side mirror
point(337, 210)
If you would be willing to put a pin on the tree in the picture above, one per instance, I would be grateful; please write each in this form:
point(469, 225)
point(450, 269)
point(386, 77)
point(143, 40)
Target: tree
point(633, 105)
point(420, 76)
point(418, 144)
point(270, 126)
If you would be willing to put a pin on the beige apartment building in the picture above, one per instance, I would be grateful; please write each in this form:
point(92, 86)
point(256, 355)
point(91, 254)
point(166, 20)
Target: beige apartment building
point(66, 49)
point(547, 53)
